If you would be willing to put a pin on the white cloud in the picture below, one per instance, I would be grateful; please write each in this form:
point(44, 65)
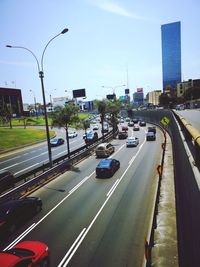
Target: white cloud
point(114, 7)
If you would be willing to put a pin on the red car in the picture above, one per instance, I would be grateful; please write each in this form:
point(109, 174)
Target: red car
point(26, 254)
point(124, 128)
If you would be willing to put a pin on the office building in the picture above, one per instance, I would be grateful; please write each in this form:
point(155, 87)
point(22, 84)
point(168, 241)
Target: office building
point(171, 55)
point(138, 97)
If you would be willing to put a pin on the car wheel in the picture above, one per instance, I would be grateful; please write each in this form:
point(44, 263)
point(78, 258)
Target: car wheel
point(38, 208)
point(45, 263)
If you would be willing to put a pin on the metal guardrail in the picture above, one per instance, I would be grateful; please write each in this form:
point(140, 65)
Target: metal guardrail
point(192, 137)
point(44, 173)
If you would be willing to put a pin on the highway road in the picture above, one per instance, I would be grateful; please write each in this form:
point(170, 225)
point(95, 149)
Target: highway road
point(88, 221)
point(192, 116)
point(25, 159)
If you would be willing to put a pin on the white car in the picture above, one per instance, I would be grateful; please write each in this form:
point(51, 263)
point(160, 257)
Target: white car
point(132, 141)
point(72, 134)
point(95, 127)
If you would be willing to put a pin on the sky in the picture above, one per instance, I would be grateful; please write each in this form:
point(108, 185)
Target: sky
point(110, 45)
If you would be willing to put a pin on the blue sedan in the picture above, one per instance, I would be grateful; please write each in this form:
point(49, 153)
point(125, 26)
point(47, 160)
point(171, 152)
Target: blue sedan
point(107, 167)
point(57, 141)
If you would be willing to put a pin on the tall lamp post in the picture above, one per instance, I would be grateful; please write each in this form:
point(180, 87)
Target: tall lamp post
point(41, 76)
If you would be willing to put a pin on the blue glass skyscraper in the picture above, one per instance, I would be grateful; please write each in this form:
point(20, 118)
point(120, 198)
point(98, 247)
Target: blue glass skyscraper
point(171, 54)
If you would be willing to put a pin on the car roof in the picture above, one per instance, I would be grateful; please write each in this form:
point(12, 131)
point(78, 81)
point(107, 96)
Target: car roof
point(103, 144)
point(105, 162)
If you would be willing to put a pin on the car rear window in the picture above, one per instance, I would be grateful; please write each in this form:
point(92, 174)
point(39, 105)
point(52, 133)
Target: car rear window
point(104, 163)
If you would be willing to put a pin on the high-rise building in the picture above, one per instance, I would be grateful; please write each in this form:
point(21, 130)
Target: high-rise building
point(171, 55)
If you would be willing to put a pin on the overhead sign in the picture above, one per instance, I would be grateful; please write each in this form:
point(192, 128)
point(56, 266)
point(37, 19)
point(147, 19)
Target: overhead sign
point(123, 97)
point(127, 91)
point(79, 93)
point(139, 90)
point(165, 121)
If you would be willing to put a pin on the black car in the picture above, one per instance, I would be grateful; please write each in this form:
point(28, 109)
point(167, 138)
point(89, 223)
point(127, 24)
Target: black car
point(15, 212)
point(7, 180)
point(57, 141)
point(107, 167)
point(152, 129)
point(150, 136)
point(142, 123)
point(135, 120)
point(91, 137)
point(122, 135)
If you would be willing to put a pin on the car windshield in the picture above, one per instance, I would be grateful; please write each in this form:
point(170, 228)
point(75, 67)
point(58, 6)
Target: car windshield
point(90, 135)
point(20, 252)
point(104, 163)
point(55, 140)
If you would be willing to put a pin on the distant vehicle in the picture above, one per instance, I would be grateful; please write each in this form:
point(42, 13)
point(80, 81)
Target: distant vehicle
point(135, 120)
point(132, 141)
point(16, 211)
point(72, 134)
point(26, 254)
point(124, 128)
point(104, 150)
point(180, 107)
point(152, 129)
point(127, 119)
point(95, 127)
point(122, 135)
point(121, 120)
point(130, 123)
point(150, 136)
point(105, 127)
point(136, 128)
point(57, 141)
point(107, 168)
point(84, 135)
point(7, 180)
point(91, 137)
point(142, 123)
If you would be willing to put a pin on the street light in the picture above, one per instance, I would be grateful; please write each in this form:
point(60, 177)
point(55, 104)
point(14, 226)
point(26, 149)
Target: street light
point(41, 76)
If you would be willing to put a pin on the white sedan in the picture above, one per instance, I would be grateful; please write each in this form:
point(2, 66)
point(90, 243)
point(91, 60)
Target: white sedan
point(132, 141)
point(72, 134)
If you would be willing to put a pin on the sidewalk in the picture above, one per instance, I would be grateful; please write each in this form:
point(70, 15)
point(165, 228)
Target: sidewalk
point(165, 249)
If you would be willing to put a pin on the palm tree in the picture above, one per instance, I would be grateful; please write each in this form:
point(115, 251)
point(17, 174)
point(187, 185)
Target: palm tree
point(114, 107)
point(101, 105)
point(65, 117)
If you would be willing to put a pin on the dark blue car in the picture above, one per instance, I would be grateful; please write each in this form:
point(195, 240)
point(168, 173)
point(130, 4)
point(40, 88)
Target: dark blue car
point(107, 167)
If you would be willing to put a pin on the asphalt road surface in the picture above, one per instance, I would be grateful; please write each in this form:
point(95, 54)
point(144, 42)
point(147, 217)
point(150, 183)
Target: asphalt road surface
point(87, 221)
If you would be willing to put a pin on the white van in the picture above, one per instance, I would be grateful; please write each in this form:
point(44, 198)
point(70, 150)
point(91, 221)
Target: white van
point(104, 150)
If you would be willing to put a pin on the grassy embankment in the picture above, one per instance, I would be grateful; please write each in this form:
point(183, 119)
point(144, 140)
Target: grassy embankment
point(16, 137)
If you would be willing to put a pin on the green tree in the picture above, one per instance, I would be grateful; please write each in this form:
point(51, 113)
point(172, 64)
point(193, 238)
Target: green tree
point(64, 117)
point(113, 108)
point(101, 106)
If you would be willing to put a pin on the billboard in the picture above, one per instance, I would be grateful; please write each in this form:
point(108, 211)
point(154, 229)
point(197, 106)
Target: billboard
point(139, 90)
point(123, 97)
point(126, 91)
point(110, 97)
point(79, 93)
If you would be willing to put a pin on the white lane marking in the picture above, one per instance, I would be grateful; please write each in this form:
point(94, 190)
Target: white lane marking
point(85, 231)
point(9, 159)
point(26, 168)
point(79, 184)
point(44, 217)
point(19, 237)
point(113, 187)
point(71, 248)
